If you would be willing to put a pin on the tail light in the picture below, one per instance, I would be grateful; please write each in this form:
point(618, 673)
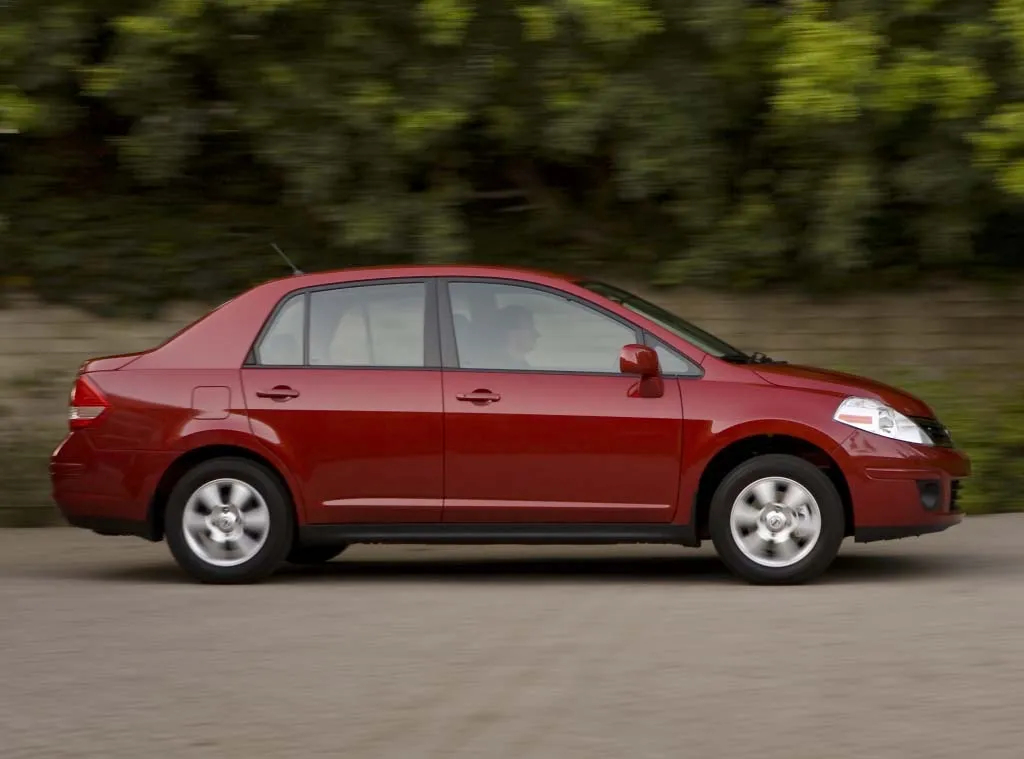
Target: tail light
point(87, 404)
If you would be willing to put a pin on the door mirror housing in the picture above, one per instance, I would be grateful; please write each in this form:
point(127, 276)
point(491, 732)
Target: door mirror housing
point(642, 361)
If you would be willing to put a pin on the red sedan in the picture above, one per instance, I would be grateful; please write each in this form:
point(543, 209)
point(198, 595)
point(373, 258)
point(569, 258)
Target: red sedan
point(457, 404)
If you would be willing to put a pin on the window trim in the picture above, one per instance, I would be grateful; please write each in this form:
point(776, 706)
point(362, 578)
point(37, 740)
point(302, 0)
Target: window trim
point(431, 333)
point(449, 346)
point(696, 370)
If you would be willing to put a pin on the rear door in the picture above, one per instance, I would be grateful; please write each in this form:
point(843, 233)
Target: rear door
point(540, 426)
point(344, 385)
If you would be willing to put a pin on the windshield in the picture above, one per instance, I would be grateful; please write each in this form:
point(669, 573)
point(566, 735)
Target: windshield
point(674, 324)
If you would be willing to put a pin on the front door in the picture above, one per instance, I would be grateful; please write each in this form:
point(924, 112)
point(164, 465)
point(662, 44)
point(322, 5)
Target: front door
point(540, 426)
point(350, 400)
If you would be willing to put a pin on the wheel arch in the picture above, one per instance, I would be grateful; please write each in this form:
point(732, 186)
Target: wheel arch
point(743, 449)
point(192, 458)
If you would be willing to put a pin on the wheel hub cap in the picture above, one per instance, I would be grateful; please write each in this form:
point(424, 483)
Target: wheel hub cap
point(226, 522)
point(775, 522)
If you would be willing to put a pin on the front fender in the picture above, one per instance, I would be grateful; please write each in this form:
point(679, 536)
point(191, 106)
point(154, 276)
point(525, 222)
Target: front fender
point(704, 443)
point(706, 449)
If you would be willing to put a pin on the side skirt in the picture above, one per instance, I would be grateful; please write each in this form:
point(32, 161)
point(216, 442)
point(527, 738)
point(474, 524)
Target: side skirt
point(499, 534)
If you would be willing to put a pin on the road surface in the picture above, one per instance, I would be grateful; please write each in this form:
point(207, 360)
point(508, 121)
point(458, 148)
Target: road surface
point(909, 649)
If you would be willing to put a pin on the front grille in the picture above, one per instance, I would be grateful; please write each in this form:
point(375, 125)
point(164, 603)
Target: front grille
point(954, 495)
point(935, 429)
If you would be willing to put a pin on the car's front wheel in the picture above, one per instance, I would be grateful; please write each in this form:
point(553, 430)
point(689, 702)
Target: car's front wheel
point(777, 519)
point(229, 520)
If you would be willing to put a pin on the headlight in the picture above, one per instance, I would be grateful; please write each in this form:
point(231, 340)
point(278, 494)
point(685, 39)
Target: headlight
point(874, 416)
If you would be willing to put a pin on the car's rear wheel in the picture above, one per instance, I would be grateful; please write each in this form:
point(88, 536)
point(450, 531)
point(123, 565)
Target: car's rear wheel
point(314, 554)
point(777, 520)
point(229, 520)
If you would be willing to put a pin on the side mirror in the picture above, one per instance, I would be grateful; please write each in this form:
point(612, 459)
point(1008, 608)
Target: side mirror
point(642, 361)
point(639, 359)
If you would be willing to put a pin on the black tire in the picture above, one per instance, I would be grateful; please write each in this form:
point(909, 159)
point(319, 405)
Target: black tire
point(830, 508)
point(314, 554)
point(280, 522)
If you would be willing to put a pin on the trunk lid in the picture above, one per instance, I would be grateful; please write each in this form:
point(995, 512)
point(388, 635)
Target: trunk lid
point(108, 363)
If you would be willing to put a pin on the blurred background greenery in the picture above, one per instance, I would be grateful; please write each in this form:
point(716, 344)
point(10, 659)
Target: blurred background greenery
point(151, 149)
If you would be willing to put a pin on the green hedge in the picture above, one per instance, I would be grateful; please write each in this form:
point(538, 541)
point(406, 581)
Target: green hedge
point(149, 150)
point(986, 421)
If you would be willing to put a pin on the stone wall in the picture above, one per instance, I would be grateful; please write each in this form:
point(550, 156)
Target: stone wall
point(946, 330)
point(933, 336)
point(42, 346)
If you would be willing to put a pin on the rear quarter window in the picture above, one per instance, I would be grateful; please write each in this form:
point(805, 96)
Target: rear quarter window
point(282, 344)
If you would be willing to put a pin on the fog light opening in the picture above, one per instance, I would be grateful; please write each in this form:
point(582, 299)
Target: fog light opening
point(930, 492)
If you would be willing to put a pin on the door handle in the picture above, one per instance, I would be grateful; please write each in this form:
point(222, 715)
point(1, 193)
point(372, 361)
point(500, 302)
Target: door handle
point(278, 393)
point(479, 396)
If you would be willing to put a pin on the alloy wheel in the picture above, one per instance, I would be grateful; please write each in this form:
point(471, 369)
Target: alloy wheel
point(775, 522)
point(226, 522)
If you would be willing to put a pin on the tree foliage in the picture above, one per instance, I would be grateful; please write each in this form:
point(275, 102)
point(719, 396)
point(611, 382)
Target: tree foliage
point(738, 142)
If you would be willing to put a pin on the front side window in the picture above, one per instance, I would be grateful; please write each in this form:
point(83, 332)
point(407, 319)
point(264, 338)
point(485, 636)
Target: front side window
point(368, 325)
point(513, 327)
point(672, 363)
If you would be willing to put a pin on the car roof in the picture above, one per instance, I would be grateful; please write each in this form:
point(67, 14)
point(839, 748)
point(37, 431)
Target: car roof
point(359, 273)
point(222, 338)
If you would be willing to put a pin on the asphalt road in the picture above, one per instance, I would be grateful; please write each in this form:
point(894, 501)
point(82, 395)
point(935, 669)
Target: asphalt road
point(910, 649)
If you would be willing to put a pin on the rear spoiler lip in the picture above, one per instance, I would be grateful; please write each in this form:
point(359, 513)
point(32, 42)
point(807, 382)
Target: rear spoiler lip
point(108, 363)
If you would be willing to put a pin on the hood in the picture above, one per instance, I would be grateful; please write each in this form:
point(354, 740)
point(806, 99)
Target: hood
point(826, 380)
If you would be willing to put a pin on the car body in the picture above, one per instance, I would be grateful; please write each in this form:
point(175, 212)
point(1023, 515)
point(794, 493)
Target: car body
point(471, 404)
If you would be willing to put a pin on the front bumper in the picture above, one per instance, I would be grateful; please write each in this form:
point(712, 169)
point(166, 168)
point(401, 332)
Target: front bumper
point(896, 532)
point(901, 490)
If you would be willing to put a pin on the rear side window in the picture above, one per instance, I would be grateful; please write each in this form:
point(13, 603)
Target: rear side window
point(358, 325)
point(283, 342)
point(368, 325)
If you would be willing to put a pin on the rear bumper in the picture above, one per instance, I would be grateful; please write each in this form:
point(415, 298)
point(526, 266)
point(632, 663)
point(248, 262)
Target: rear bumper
point(106, 491)
point(114, 526)
point(900, 490)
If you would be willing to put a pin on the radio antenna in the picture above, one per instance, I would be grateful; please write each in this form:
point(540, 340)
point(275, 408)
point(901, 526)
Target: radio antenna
point(295, 270)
